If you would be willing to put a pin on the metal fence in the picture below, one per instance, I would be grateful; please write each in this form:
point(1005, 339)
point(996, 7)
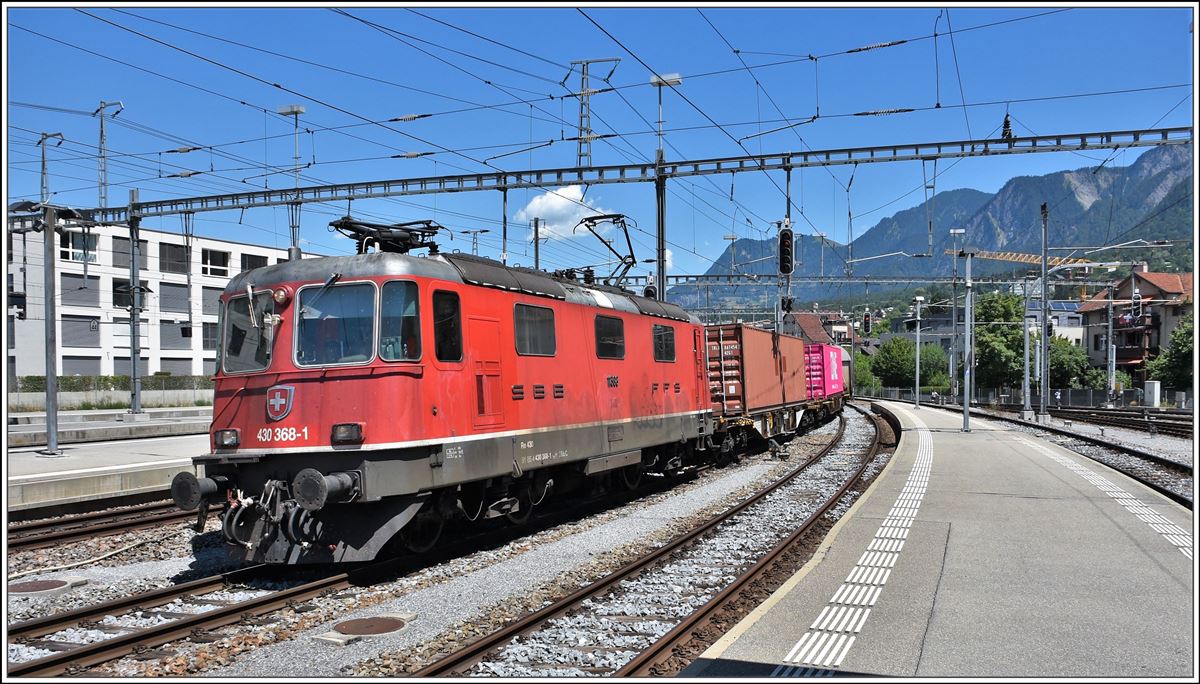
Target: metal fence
point(1084, 398)
point(97, 383)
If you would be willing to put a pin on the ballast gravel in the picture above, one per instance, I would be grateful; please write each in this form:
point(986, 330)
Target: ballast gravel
point(440, 607)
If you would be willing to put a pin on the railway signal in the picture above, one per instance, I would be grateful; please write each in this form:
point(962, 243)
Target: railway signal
point(1137, 304)
point(787, 251)
point(866, 325)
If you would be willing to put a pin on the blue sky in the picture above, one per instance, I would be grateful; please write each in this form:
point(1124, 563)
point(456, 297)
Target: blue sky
point(1081, 50)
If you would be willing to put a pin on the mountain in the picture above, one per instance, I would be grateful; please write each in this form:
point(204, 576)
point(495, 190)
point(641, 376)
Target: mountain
point(1099, 205)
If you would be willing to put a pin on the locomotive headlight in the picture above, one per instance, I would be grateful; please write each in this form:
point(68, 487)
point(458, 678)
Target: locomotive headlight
point(347, 433)
point(226, 439)
point(281, 295)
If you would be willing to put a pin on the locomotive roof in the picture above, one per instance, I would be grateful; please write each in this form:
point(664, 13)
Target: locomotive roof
point(456, 268)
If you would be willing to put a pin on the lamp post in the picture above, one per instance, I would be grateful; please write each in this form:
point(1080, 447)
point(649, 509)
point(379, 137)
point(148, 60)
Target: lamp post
point(917, 375)
point(660, 185)
point(1027, 408)
point(294, 111)
point(1043, 416)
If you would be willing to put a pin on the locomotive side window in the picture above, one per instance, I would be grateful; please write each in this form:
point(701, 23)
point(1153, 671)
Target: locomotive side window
point(664, 343)
point(247, 347)
point(534, 330)
point(447, 326)
point(336, 324)
point(610, 337)
point(399, 325)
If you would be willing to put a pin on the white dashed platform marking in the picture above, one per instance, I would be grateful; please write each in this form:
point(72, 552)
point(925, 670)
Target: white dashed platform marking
point(1174, 534)
point(825, 645)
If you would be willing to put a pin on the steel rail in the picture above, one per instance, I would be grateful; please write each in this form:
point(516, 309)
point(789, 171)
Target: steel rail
point(1145, 455)
point(473, 652)
point(646, 663)
point(45, 533)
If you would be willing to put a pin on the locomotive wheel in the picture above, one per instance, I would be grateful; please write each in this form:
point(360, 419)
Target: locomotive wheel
point(630, 477)
point(524, 505)
point(423, 531)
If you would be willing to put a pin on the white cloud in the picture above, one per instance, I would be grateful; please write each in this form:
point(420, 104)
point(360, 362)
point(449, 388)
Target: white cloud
point(670, 260)
point(560, 210)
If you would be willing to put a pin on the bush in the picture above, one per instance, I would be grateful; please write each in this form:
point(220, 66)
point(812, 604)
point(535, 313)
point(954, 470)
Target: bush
point(119, 383)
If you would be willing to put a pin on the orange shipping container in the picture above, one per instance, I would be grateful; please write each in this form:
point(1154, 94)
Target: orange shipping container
point(751, 370)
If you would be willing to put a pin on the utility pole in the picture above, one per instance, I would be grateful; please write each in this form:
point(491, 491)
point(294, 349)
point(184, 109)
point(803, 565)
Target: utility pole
point(917, 376)
point(294, 111)
point(135, 309)
point(1043, 417)
point(102, 167)
point(475, 238)
point(537, 243)
point(969, 358)
point(50, 231)
point(50, 291)
point(1110, 349)
point(660, 186)
point(954, 233)
point(504, 226)
point(1027, 408)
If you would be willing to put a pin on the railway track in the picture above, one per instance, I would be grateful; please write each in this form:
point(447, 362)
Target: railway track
point(632, 618)
point(51, 531)
point(1153, 421)
point(1170, 478)
point(141, 623)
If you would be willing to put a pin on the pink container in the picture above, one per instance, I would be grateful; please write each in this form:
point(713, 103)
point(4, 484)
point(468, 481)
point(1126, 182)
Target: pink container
point(823, 373)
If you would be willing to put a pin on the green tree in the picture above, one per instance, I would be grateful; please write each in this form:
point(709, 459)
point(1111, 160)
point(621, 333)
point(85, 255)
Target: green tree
point(1097, 379)
point(894, 362)
point(999, 340)
point(864, 378)
point(934, 362)
point(1173, 368)
point(1068, 364)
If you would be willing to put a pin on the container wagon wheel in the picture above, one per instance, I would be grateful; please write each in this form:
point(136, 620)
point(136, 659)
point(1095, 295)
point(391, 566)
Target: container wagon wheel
point(423, 531)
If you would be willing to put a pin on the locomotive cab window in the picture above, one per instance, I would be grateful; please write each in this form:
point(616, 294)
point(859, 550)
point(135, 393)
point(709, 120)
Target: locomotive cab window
point(247, 345)
point(447, 326)
point(336, 324)
point(664, 343)
point(610, 337)
point(533, 327)
point(399, 324)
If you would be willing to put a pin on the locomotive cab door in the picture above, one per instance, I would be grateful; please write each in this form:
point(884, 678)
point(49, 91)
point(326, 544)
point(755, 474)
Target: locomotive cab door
point(485, 348)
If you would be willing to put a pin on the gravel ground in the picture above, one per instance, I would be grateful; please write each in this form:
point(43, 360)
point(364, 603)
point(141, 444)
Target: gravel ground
point(461, 596)
point(111, 581)
point(1175, 448)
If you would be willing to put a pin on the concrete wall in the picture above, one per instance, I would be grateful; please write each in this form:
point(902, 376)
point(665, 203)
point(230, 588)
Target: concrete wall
point(36, 401)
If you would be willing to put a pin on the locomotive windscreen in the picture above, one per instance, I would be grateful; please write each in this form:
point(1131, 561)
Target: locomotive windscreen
point(336, 324)
point(247, 346)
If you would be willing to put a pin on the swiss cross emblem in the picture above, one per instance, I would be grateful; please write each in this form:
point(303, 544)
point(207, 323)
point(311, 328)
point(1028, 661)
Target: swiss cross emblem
point(279, 401)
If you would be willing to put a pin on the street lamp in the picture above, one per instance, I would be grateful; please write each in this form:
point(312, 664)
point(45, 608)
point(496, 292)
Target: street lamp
point(660, 82)
point(917, 376)
point(1027, 409)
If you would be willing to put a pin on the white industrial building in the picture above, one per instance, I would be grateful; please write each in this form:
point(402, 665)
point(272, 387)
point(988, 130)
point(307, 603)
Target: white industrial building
point(93, 310)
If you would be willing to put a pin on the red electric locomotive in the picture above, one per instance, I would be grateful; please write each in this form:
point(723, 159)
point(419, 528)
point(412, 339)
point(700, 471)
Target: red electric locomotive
point(368, 399)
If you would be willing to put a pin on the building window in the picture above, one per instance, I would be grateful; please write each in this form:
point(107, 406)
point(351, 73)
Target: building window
point(172, 258)
point(664, 343)
point(78, 247)
point(121, 253)
point(122, 297)
point(447, 326)
point(81, 331)
point(210, 301)
point(610, 337)
point(533, 327)
point(210, 336)
point(78, 291)
point(171, 335)
point(253, 261)
point(173, 298)
point(1096, 342)
point(214, 263)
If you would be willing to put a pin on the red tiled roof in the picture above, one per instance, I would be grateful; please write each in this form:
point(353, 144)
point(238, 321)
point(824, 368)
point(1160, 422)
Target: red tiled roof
point(811, 328)
point(1170, 283)
point(1098, 302)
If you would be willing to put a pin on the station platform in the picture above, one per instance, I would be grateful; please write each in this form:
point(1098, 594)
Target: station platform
point(97, 470)
point(74, 427)
point(984, 554)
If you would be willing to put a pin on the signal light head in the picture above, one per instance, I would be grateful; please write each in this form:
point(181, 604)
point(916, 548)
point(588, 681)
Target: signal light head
point(787, 251)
